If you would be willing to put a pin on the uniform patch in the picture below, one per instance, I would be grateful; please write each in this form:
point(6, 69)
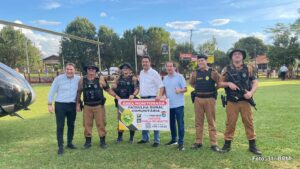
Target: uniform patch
point(244, 75)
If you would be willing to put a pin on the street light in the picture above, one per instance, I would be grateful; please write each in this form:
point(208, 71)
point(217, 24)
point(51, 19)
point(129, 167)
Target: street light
point(98, 52)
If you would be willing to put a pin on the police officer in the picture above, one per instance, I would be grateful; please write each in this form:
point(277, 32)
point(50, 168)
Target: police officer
point(234, 79)
point(126, 87)
point(204, 80)
point(92, 87)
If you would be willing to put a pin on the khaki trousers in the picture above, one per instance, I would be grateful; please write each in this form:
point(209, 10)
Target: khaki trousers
point(205, 106)
point(233, 109)
point(89, 114)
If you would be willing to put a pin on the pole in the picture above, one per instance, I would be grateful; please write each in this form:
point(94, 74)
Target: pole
point(135, 57)
point(255, 58)
point(63, 62)
point(169, 50)
point(99, 57)
point(27, 60)
point(191, 40)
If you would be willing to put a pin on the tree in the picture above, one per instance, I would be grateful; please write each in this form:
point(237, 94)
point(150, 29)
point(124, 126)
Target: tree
point(110, 50)
point(296, 25)
point(208, 47)
point(254, 46)
point(221, 58)
point(127, 44)
point(185, 66)
point(76, 51)
point(12, 49)
point(152, 37)
point(156, 36)
point(285, 48)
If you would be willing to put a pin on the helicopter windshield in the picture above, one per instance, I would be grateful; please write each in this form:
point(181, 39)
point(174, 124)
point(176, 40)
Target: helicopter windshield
point(15, 91)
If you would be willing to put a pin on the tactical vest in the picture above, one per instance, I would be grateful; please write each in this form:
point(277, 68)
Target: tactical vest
point(205, 84)
point(241, 79)
point(92, 92)
point(125, 87)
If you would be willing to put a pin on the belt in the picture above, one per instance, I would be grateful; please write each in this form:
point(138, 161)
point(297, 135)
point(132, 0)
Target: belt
point(64, 102)
point(206, 95)
point(148, 97)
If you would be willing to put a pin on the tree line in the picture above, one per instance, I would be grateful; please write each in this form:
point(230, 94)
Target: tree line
point(117, 49)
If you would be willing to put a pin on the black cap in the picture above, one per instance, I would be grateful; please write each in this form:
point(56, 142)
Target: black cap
point(200, 56)
point(125, 65)
point(238, 50)
point(91, 65)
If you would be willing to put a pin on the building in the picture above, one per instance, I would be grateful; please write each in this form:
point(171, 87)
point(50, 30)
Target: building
point(261, 62)
point(51, 60)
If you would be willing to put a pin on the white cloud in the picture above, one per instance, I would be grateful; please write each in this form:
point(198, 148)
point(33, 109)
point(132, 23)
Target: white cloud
point(265, 10)
point(48, 44)
point(184, 25)
point(180, 35)
point(103, 14)
point(225, 37)
point(259, 35)
point(51, 5)
point(288, 12)
point(219, 22)
point(18, 21)
point(45, 22)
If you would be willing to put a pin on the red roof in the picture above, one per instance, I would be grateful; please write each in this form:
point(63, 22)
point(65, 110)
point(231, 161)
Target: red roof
point(261, 59)
point(188, 56)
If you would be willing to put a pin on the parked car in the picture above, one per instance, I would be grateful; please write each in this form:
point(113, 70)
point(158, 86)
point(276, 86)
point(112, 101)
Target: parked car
point(112, 71)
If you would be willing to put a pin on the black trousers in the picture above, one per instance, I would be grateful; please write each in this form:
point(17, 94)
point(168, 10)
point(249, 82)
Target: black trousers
point(62, 111)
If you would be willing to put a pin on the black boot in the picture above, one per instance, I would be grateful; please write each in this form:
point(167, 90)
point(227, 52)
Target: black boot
point(253, 148)
point(226, 146)
point(103, 145)
point(120, 137)
point(215, 148)
point(131, 132)
point(60, 150)
point(88, 142)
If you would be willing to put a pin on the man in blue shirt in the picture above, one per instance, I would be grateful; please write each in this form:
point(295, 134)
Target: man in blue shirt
point(65, 88)
point(175, 87)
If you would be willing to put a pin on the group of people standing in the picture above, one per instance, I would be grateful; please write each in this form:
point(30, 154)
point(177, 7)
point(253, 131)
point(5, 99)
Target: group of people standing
point(68, 88)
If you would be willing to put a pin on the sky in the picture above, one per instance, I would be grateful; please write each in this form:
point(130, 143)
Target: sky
point(226, 20)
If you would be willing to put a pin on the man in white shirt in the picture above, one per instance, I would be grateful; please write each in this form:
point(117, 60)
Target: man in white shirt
point(151, 87)
point(283, 69)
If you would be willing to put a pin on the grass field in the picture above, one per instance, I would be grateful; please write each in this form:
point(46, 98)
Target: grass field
point(31, 143)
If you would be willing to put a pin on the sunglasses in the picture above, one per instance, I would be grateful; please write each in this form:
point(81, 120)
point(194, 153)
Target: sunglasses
point(91, 68)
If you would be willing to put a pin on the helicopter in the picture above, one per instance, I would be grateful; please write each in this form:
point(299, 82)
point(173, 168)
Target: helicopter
point(15, 92)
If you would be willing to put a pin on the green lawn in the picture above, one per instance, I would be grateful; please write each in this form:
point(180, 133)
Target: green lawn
point(31, 143)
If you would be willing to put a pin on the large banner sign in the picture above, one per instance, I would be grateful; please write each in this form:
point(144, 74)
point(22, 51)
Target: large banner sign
point(144, 114)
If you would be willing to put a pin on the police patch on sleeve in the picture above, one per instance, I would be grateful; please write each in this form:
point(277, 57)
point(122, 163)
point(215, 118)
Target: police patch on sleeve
point(223, 71)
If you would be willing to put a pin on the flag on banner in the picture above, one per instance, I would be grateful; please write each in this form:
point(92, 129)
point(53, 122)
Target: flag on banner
point(164, 49)
point(141, 50)
point(210, 59)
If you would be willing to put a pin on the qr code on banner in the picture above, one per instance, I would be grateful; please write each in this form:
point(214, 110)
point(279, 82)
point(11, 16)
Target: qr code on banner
point(148, 125)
